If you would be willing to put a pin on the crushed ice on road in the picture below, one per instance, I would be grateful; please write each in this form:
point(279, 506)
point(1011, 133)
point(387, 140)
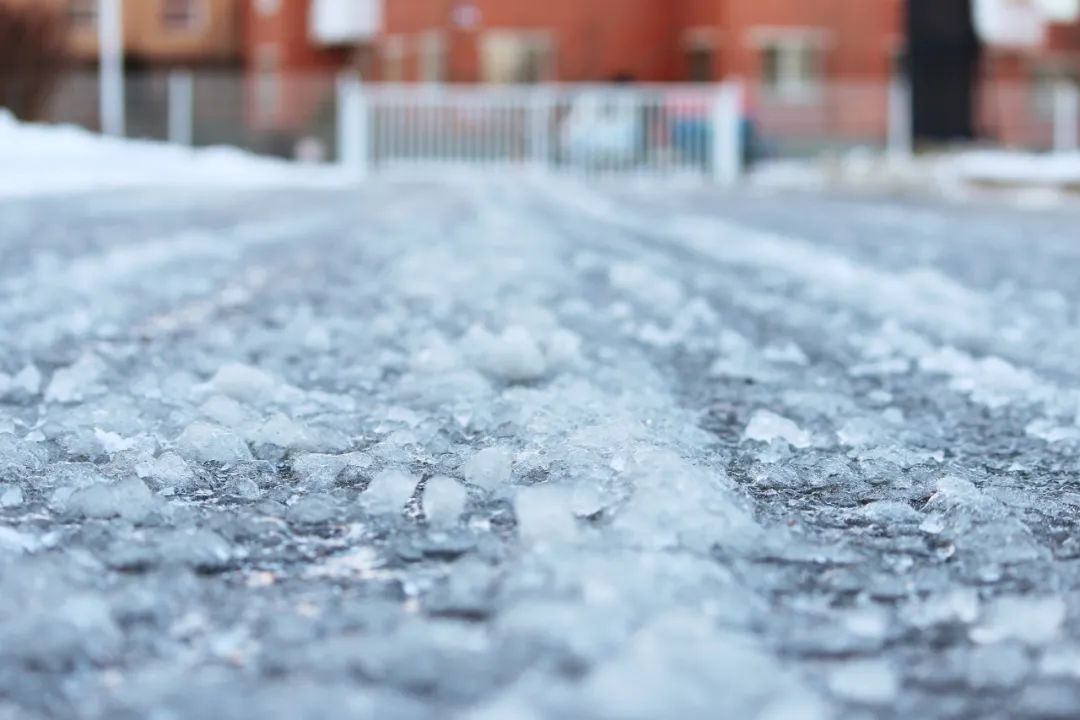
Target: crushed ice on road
point(486, 450)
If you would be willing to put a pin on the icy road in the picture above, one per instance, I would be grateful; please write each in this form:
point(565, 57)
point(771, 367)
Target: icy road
point(508, 450)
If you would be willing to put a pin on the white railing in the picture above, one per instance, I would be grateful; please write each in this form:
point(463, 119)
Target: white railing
point(699, 131)
point(591, 130)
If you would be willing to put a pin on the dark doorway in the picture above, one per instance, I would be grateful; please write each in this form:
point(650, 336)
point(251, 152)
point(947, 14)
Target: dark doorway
point(699, 64)
point(943, 65)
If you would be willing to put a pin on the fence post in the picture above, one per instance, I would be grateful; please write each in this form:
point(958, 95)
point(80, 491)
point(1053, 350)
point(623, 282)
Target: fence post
point(111, 67)
point(727, 136)
point(1066, 117)
point(541, 104)
point(181, 105)
point(353, 130)
point(900, 134)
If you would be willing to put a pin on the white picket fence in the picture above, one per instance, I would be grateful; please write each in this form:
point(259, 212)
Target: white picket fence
point(592, 130)
point(705, 132)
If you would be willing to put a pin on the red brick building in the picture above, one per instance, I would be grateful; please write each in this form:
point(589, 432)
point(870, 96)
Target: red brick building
point(805, 63)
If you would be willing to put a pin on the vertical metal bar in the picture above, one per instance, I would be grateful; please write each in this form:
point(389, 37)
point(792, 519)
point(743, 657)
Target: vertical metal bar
point(900, 135)
point(727, 148)
point(1066, 117)
point(181, 107)
point(111, 66)
point(540, 127)
point(353, 130)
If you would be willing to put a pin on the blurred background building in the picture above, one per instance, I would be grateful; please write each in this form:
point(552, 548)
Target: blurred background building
point(263, 71)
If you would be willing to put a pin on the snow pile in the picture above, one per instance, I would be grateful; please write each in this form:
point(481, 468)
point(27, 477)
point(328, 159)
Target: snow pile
point(1034, 178)
point(55, 160)
point(1002, 167)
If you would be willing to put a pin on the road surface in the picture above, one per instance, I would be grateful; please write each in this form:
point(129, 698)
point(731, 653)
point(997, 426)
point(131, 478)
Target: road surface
point(496, 448)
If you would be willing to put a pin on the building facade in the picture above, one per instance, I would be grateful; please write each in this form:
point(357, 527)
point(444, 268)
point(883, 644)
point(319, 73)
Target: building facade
point(162, 32)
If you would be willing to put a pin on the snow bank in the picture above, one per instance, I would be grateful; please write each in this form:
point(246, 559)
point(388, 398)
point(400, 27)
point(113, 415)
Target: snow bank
point(955, 175)
point(62, 159)
point(1017, 168)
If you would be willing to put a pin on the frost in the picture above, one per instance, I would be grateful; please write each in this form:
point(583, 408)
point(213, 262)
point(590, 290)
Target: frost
point(768, 427)
point(489, 468)
point(443, 500)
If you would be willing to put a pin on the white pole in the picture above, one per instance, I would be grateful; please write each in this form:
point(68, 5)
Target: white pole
point(353, 131)
point(540, 103)
point(899, 141)
point(181, 107)
point(111, 66)
point(1066, 117)
point(727, 137)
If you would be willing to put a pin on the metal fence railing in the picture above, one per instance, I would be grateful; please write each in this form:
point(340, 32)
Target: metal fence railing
point(706, 131)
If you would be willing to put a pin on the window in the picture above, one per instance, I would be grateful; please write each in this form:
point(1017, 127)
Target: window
point(393, 59)
point(699, 64)
point(432, 57)
point(267, 8)
point(83, 13)
point(267, 82)
point(181, 14)
point(792, 66)
point(699, 52)
point(516, 57)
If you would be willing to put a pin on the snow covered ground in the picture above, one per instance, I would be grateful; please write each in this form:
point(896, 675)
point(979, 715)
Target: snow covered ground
point(62, 159)
point(493, 449)
point(1025, 179)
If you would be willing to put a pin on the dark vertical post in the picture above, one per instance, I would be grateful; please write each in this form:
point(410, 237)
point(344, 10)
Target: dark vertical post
point(943, 53)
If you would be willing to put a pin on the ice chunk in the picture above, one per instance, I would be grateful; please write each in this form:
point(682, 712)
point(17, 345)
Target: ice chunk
point(77, 381)
point(1052, 432)
point(13, 541)
point(11, 497)
point(998, 666)
point(112, 442)
point(1031, 620)
point(389, 491)
point(201, 550)
point(545, 513)
point(314, 509)
point(444, 500)
point(490, 468)
point(205, 442)
point(27, 380)
point(789, 353)
point(282, 431)
point(960, 605)
point(871, 682)
point(20, 457)
point(766, 426)
point(321, 471)
point(166, 471)
point(226, 411)
point(129, 499)
point(646, 286)
point(251, 385)
point(514, 355)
